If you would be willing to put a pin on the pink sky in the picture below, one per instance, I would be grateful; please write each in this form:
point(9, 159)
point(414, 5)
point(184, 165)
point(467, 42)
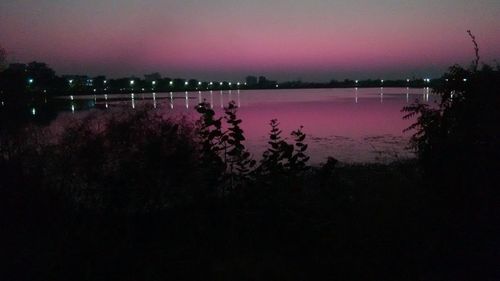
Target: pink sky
point(221, 39)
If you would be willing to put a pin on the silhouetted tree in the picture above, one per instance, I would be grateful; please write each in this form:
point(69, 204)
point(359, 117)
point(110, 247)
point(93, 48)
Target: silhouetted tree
point(273, 158)
point(209, 132)
point(457, 139)
point(3, 58)
point(238, 160)
point(297, 163)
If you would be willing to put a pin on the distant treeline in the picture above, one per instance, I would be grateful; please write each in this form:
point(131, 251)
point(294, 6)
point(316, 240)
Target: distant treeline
point(37, 77)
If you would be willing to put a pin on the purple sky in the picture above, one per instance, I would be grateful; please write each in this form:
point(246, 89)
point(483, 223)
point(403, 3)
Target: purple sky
point(227, 39)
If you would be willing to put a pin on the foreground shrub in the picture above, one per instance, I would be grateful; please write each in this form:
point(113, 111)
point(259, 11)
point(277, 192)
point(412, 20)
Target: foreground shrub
point(125, 162)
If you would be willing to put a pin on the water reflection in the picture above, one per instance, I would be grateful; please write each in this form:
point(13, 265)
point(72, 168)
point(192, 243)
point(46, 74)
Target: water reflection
point(361, 95)
point(352, 124)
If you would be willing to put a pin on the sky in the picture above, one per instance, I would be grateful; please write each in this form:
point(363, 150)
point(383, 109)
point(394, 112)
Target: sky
point(313, 40)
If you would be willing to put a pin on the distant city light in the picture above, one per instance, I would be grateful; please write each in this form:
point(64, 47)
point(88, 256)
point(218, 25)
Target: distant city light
point(427, 80)
point(356, 81)
point(31, 80)
point(154, 83)
point(105, 81)
point(199, 82)
point(238, 83)
point(171, 83)
point(132, 82)
point(71, 81)
point(211, 83)
point(186, 83)
point(408, 80)
point(229, 83)
point(382, 81)
point(33, 111)
point(221, 83)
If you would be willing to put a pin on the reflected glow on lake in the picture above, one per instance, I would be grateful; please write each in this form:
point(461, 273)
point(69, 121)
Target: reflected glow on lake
point(351, 124)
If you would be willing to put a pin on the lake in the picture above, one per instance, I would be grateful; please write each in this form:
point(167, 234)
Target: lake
point(352, 125)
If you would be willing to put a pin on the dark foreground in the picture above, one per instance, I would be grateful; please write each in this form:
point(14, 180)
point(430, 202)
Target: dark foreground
point(137, 197)
point(369, 222)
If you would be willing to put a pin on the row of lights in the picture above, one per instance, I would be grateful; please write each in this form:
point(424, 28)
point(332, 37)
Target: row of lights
point(171, 83)
point(186, 83)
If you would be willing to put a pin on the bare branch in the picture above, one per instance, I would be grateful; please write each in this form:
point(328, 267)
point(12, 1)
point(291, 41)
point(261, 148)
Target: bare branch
point(476, 49)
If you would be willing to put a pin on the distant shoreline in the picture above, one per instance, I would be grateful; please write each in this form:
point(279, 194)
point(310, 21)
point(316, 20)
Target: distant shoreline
point(149, 91)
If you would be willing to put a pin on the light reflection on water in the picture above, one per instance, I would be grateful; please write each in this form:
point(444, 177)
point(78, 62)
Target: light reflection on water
point(352, 124)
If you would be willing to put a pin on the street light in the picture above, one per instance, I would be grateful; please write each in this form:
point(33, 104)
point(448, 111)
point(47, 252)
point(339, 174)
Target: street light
point(30, 81)
point(153, 83)
point(132, 82)
point(171, 83)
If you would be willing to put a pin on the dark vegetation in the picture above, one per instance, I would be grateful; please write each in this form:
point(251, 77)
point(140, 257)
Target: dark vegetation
point(134, 196)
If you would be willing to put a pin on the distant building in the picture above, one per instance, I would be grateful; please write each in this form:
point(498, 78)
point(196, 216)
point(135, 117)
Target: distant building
point(152, 77)
point(263, 82)
point(251, 80)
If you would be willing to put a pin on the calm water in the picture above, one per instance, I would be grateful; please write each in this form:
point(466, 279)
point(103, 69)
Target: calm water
point(352, 125)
